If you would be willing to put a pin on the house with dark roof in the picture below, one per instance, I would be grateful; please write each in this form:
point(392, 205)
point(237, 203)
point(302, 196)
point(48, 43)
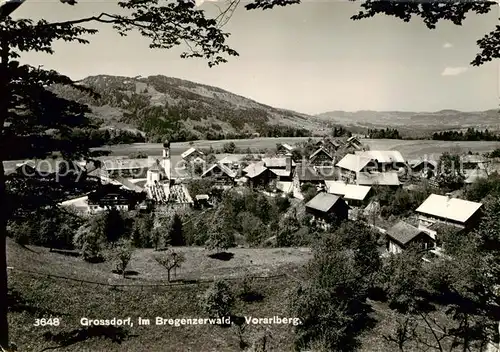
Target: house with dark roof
point(402, 235)
point(111, 196)
point(321, 157)
point(325, 208)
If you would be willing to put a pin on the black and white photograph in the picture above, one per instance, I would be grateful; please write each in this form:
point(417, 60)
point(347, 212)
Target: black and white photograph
point(249, 176)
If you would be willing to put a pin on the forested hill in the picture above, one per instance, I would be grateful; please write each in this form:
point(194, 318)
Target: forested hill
point(180, 110)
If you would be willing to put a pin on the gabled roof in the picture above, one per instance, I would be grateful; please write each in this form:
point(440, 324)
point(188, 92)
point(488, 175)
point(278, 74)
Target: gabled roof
point(323, 202)
point(431, 163)
point(281, 172)
point(454, 209)
point(287, 146)
point(222, 168)
point(353, 162)
point(254, 170)
point(190, 151)
point(383, 156)
point(128, 184)
point(320, 150)
point(403, 233)
point(353, 140)
point(276, 162)
point(202, 197)
point(348, 191)
point(231, 159)
point(378, 178)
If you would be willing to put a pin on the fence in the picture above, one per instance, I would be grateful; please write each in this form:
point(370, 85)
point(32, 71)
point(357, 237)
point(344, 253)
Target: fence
point(141, 286)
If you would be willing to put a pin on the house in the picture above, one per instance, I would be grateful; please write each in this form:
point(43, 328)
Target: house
point(232, 161)
point(473, 162)
point(402, 235)
point(355, 195)
point(321, 157)
point(222, 175)
point(114, 196)
point(283, 149)
point(284, 187)
point(354, 143)
point(351, 164)
point(390, 179)
point(258, 175)
point(423, 167)
point(128, 168)
point(471, 176)
point(328, 144)
point(281, 168)
point(193, 154)
point(386, 160)
point(325, 207)
point(304, 173)
point(460, 213)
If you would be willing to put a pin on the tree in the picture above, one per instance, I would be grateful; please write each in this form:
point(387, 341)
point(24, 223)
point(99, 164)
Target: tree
point(331, 303)
point(176, 234)
point(90, 242)
point(121, 254)
point(171, 260)
point(166, 25)
point(220, 235)
point(229, 148)
point(218, 300)
point(156, 235)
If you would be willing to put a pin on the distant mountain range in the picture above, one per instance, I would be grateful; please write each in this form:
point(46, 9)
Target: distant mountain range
point(416, 122)
point(160, 106)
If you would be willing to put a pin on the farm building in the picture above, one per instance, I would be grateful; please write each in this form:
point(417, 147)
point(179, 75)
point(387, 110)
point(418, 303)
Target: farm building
point(354, 142)
point(355, 195)
point(325, 207)
point(283, 149)
point(402, 235)
point(321, 157)
point(193, 154)
point(202, 201)
point(222, 175)
point(328, 144)
point(451, 211)
point(257, 174)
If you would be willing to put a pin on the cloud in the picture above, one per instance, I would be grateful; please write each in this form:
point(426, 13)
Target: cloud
point(453, 71)
point(447, 45)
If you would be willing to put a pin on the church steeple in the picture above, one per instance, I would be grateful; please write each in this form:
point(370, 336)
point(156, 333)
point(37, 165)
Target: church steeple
point(166, 158)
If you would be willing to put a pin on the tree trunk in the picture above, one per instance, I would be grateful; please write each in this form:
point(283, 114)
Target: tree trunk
point(168, 275)
point(4, 107)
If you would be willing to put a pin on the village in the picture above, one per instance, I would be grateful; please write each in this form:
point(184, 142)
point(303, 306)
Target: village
point(338, 179)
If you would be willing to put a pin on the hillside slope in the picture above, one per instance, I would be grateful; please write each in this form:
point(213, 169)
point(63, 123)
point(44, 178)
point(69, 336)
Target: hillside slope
point(423, 122)
point(166, 107)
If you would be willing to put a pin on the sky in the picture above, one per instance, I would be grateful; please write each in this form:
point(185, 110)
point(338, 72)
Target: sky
point(310, 58)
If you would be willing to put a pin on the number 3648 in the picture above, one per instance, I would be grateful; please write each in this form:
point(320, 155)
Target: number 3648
point(47, 322)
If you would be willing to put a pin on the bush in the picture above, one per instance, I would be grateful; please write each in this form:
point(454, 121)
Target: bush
point(218, 300)
point(121, 254)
